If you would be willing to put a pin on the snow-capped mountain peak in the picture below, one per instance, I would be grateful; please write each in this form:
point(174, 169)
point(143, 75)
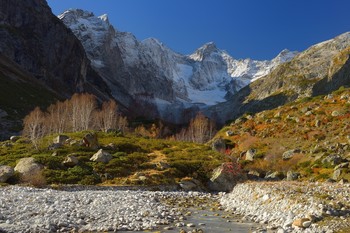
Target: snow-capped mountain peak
point(104, 18)
point(205, 51)
point(150, 71)
point(284, 56)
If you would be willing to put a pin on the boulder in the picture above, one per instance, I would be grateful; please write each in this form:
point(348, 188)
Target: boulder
point(317, 123)
point(5, 173)
point(274, 176)
point(162, 165)
point(191, 184)
point(333, 159)
point(292, 175)
point(253, 175)
point(14, 138)
point(338, 174)
point(250, 154)
point(342, 165)
point(302, 222)
point(229, 133)
point(101, 156)
point(27, 167)
point(225, 177)
point(336, 113)
point(219, 145)
point(70, 161)
point(90, 140)
point(289, 154)
point(60, 139)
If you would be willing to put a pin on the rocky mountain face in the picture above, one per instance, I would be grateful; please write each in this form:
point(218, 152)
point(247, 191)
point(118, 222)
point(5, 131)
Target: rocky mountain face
point(40, 61)
point(158, 82)
point(320, 69)
point(37, 41)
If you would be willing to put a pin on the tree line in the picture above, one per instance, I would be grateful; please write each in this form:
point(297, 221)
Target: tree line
point(82, 112)
point(79, 113)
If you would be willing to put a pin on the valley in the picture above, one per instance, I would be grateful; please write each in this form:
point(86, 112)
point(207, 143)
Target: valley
point(101, 131)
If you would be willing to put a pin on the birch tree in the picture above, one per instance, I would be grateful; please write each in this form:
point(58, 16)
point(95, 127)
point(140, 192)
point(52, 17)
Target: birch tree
point(34, 126)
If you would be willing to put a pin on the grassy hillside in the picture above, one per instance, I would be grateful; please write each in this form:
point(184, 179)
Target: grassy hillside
point(316, 129)
point(136, 160)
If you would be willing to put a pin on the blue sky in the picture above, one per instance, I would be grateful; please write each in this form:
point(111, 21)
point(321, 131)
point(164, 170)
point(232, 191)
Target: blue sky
point(258, 29)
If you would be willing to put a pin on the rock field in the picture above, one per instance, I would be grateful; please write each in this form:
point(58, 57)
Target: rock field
point(292, 206)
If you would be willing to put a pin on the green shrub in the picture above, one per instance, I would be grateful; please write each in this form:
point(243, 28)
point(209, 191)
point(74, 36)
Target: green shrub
point(51, 162)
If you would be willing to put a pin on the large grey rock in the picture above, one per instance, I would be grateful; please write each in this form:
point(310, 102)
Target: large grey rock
point(338, 173)
point(292, 175)
point(191, 185)
point(5, 173)
point(70, 161)
point(342, 165)
point(101, 156)
point(229, 133)
point(224, 178)
point(90, 140)
point(14, 138)
point(61, 139)
point(332, 159)
point(250, 154)
point(27, 167)
point(254, 175)
point(289, 154)
point(162, 165)
point(274, 176)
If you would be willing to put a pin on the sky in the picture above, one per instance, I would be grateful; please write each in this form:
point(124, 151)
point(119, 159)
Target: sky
point(258, 29)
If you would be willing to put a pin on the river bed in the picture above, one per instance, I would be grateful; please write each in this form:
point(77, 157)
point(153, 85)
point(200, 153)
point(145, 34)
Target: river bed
point(25, 209)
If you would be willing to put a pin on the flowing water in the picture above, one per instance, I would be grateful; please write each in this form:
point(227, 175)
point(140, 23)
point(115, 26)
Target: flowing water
point(215, 222)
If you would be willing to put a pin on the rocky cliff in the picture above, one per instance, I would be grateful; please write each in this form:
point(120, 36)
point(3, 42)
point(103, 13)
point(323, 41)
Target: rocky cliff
point(40, 43)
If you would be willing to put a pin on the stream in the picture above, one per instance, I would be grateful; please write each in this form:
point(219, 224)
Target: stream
point(209, 222)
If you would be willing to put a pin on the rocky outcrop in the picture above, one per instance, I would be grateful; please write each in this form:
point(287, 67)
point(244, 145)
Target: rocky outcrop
point(225, 177)
point(320, 69)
